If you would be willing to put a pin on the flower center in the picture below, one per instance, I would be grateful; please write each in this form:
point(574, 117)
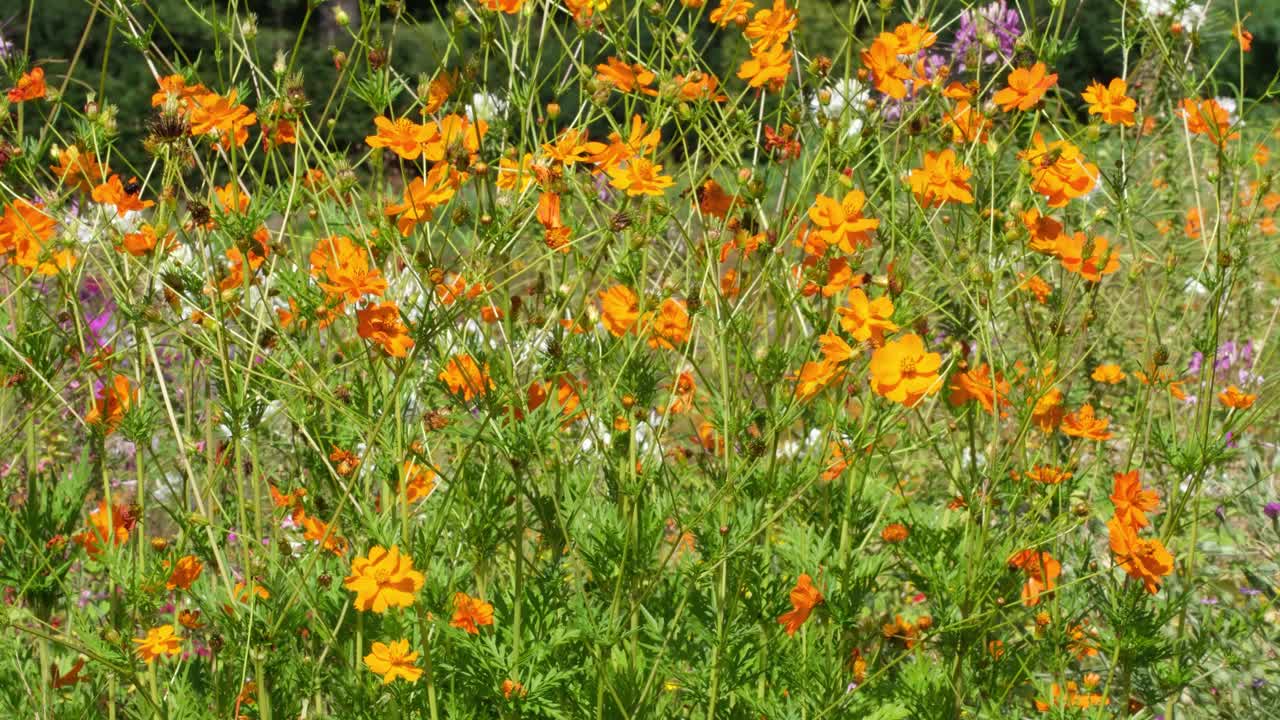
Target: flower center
point(381, 576)
point(908, 365)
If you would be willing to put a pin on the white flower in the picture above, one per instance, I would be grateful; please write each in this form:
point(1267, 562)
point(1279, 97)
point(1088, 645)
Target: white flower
point(1228, 104)
point(1193, 17)
point(1156, 8)
point(486, 106)
point(847, 103)
point(130, 222)
point(601, 432)
point(1194, 287)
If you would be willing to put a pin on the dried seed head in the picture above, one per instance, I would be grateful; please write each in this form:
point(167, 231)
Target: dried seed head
point(200, 214)
point(620, 221)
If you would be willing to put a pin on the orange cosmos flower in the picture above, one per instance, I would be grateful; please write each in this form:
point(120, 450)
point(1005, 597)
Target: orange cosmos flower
point(1142, 559)
point(125, 199)
point(24, 228)
point(1070, 697)
point(1038, 287)
point(682, 393)
point(1242, 36)
point(731, 11)
point(1071, 250)
point(1110, 374)
point(243, 593)
point(902, 371)
point(942, 180)
point(571, 147)
point(144, 241)
point(625, 78)
point(108, 527)
point(640, 141)
point(393, 661)
point(1207, 117)
point(1026, 87)
point(345, 266)
point(1044, 231)
point(316, 530)
point(837, 465)
point(841, 223)
point(159, 641)
point(452, 135)
point(223, 117)
point(1047, 475)
point(1132, 503)
point(913, 38)
point(1234, 398)
point(1110, 102)
point(1048, 411)
point(111, 403)
point(835, 349)
point(967, 123)
point(421, 197)
point(978, 385)
point(381, 324)
point(417, 481)
point(1083, 424)
point(620, 309)
point(30, 86)
point(804, 598)
point(1192, 226)
point(771, 26)
point(640, 176)
point(670, 326)
point(403, 137)
point(1042, 572)
point(176, 87)
point(515, 176)
point(511, 687)
point(438, 91)
point(79, 168)
point(713, 200)
point(767, 66)
point(1058, 170)
point(470, 613)
point(464, 377)
point(888, 72)
point(895, 533)
point(383, 580)
point(555, 232)
point(184, 573)
point(280, 132)
point(814, 377)
point(699, 86)
point(865, 319)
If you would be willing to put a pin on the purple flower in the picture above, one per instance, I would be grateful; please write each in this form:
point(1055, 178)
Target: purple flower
point(99, 311)
point(1272, 510)
point(996, 21)
point(1196, 362)
point(1226, 354)
point(603, 191)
